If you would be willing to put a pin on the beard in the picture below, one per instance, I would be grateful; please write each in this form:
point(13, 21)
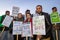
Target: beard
point(38, 12)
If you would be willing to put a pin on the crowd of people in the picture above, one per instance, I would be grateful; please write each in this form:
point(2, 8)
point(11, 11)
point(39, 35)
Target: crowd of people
point(50, 30)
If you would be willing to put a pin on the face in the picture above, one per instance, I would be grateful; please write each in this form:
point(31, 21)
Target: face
point(38, 9)
point(19, 15)
point(7, 13)
point(28, 16)
point(54, 10)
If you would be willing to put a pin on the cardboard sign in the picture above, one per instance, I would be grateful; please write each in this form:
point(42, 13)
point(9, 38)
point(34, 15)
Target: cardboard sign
point(55, 17)
point(15, 11)
point(26, 32)
point(17, 27)
point(7, 21)
point(59, 18)
point(39, 25)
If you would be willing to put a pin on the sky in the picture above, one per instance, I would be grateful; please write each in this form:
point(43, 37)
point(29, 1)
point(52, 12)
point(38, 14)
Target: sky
point(28, 4)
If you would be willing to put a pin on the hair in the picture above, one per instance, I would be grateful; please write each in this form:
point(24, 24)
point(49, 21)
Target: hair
point(54, 8)
point(7, 11)
point(19, 13)
point(39, 6)
point(27, 11)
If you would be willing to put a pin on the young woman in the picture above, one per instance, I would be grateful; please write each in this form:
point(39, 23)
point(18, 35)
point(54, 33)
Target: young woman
point(19, 18)
point(28, 20)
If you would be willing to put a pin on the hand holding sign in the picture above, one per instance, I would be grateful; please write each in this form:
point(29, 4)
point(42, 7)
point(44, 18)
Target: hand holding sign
point(7, 21)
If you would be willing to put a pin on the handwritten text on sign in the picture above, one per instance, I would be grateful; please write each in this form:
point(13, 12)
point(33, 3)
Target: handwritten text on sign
point(26, 30)
point(39, 25)
point(7, 21)
point(15, 11)
point(17, 27)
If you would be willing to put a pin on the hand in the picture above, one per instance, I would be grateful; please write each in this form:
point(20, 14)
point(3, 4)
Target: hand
point(56, 27)
point(39, 37)
point(32, 36)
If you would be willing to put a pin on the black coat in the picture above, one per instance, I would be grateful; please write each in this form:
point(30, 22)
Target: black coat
point(48, 26)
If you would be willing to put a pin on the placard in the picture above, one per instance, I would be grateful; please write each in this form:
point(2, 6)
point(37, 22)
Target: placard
point(15, 11)
point(26, 32)
point(55, 18)
point(17, 27)
point(39, 25)
point(7, 21)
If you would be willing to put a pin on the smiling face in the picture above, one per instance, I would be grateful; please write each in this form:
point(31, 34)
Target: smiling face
point(28, 16)
point(19, 15)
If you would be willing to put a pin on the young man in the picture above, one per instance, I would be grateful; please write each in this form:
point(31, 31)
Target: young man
point(47, 23)
point(5, 33)
point(57, 26)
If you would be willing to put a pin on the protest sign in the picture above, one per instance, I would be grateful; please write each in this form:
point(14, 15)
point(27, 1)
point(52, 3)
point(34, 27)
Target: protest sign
point(39, 25)
point(26, 32)
point(55, 17)
point(17, 27)
point(7, 21)
point(15, 11)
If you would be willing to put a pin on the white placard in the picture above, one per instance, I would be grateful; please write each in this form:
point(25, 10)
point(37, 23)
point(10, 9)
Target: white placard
point(17, 27)
point(26, 32)
point(7, 21)
point(39, 25)
point(15, 11)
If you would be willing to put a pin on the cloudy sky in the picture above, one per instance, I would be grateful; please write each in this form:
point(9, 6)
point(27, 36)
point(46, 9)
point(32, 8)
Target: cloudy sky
point(28, 4)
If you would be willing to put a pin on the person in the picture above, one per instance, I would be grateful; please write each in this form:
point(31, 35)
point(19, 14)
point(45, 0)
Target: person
point(5, 33)
point(55, 25)
point(29, 20)
point(48, 25)
point(20, 17)
point(1, 26)
point(27, 11)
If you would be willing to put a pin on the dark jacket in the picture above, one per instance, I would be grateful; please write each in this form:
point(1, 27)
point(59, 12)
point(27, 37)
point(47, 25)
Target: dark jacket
point(2, 19)
point(48, 26)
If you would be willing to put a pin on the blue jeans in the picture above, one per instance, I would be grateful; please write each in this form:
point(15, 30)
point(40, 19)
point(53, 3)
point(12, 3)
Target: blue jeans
point(4, 35)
